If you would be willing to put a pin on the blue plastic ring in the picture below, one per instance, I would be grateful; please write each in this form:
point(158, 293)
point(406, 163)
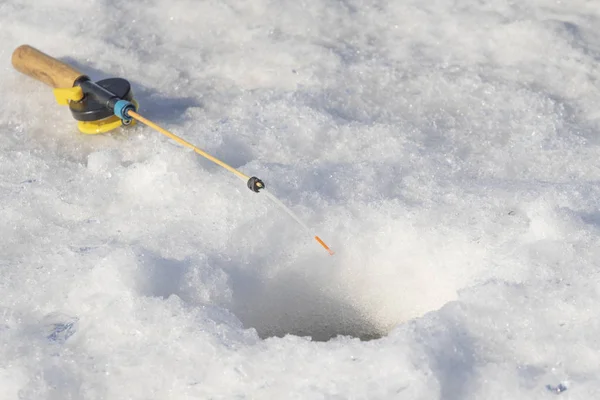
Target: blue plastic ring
point(121, 108)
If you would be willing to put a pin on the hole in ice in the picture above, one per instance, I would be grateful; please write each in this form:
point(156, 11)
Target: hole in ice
point(296, 305)
point(324, 301)
point(317, 301)
point(354, 293)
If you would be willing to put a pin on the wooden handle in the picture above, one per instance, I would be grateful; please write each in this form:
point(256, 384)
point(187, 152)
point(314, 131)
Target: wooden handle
point(42, 67)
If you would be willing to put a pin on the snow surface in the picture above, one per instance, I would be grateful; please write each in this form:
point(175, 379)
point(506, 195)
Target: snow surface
point(447, 150)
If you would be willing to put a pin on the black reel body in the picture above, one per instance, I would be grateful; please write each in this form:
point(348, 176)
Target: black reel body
point(90, 108)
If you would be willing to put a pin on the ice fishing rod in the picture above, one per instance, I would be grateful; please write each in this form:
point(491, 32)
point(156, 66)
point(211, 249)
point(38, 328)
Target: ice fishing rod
point(109, 104)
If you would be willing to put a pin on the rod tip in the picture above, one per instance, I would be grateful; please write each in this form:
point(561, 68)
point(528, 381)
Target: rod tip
point(322, 243)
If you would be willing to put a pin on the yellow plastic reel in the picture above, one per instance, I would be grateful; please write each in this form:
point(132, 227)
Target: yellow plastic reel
point(101, 126)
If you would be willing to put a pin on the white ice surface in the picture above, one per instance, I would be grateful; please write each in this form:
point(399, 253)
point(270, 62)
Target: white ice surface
point(448, 151)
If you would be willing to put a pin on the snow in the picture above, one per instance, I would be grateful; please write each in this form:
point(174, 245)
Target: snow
point(446, 150)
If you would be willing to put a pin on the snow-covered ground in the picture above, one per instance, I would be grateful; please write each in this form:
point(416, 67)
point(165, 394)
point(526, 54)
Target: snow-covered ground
point(447, 150)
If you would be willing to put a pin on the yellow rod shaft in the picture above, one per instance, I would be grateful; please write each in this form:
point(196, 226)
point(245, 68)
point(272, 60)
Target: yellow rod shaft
point(179, 140)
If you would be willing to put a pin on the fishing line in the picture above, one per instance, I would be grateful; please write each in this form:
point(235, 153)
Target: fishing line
point(298, 220)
